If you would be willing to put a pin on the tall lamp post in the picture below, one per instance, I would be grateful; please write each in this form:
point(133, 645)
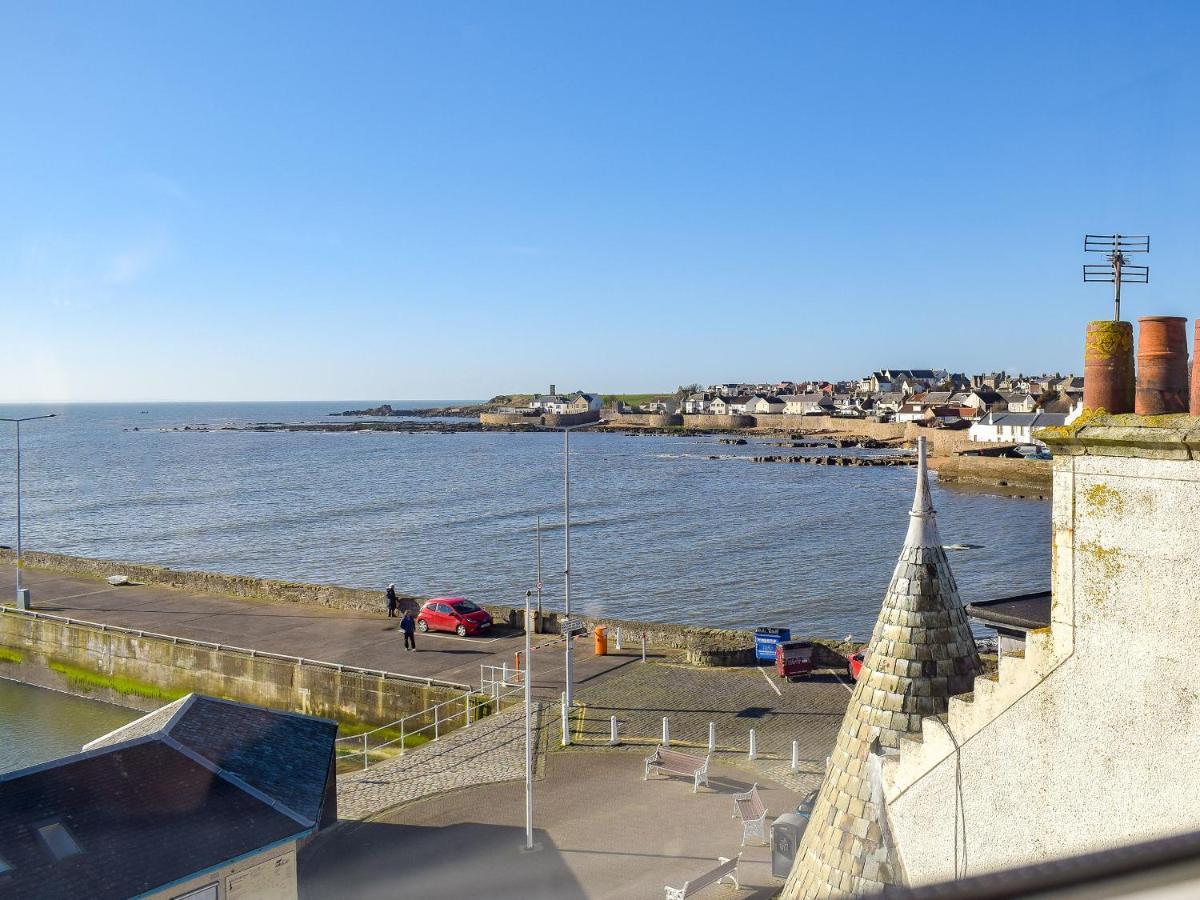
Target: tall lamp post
point(528, 676)
point(22, 595)
point(566, 430)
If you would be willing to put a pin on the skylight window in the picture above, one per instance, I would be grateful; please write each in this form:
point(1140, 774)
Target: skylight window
point(58, 840)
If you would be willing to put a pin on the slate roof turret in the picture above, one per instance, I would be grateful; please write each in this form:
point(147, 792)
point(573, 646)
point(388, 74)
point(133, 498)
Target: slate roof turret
point(921, 653)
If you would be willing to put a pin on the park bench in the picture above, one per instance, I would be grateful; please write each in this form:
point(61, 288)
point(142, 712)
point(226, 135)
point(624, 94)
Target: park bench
point(672, 762)
point(726, 868)
point(750, 808)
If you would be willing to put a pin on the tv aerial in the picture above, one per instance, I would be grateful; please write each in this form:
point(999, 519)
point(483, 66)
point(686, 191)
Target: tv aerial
point(1118, 270)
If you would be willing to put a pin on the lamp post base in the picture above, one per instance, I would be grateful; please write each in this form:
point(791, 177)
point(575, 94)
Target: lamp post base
point(23, 598)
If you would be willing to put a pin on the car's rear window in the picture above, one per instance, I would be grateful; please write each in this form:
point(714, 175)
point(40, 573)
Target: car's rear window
point(466, 606)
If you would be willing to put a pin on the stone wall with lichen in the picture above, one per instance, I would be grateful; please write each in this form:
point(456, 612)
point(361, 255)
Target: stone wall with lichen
point(1101, 750)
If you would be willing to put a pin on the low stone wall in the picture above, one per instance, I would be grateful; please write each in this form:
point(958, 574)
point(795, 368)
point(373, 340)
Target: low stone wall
point(131, 669)
point(548, 420)
point(710, 422)
point(243, 586)
point(644, 420)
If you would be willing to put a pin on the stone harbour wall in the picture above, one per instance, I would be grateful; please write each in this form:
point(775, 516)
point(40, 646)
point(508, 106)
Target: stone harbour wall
point(548, 420)
point(693, 420)
point(644, 420)
point(136, 670)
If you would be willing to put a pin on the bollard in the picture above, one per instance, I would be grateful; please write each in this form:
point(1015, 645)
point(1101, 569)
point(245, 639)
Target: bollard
point(618, 637)
point(566, 726)
point(666, 742)
point(504, 674)
point(517, 655)
point(753, 745)
point(468, 712)
point(643, 646)
point(795, 756)
point(613, 738)
point(712, 737)
point(435, 721)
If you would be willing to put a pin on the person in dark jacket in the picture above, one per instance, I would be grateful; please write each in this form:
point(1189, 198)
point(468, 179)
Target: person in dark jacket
point(409, 626)
point(393, 602)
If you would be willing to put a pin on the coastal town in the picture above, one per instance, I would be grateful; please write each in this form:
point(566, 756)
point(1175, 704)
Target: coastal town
point(709, 600)
point(993, 407)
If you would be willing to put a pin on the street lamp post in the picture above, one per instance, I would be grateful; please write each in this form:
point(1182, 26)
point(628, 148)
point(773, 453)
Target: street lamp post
point(22, 596)
point(569, 638)
point(528, 676)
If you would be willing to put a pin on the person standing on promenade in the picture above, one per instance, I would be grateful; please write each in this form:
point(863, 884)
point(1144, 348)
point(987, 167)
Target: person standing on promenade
point(409, 626)
point(393, 602)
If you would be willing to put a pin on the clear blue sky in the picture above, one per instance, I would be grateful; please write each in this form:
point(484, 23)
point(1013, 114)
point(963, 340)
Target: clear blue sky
point(448, 200)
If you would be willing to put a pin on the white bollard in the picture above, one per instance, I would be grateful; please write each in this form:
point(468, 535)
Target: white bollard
point(795, 756)
point(753, 744)
point(504, 674)
point(566, 725)
point(666, 742)
point(643, 646)
point(613, 737)
point(712, 737)
point(618, 637)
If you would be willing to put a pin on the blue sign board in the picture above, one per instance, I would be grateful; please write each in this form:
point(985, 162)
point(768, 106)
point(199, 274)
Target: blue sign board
point(765, 641)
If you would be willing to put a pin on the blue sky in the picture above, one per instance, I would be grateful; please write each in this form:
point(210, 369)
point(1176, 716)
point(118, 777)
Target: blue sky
point(303, 201)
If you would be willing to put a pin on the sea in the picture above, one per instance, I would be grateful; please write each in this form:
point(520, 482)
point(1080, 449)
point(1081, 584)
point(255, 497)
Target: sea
point(669, 528)
point(38, 725)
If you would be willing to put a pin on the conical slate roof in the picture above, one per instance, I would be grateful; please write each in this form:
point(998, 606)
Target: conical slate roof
point(921, 653)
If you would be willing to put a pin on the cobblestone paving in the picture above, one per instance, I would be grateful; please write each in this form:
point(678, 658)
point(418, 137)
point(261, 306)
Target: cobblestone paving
point(640, 695)
point(489, 751)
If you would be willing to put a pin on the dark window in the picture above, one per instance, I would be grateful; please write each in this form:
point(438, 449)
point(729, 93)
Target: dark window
point(466, 606)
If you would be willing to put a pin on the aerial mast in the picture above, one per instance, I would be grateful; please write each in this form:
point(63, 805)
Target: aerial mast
point(1118, 270)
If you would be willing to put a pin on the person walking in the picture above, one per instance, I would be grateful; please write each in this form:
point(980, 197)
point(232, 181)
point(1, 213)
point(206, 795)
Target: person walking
point(409, 626)
point(393, 602)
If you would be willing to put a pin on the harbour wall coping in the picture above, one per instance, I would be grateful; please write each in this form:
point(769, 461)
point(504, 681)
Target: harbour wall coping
point(706, 645)
point(143, 671)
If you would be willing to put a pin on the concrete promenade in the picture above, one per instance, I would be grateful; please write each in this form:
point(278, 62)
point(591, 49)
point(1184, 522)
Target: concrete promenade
point(338, 636)
point(603, 833)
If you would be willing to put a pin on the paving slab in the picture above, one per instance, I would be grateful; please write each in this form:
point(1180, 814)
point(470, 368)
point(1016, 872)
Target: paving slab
point(604, 832)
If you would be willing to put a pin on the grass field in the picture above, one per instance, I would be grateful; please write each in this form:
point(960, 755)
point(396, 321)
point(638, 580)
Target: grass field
point(632, 399)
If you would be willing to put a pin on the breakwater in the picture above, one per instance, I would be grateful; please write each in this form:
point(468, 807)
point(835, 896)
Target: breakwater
point(143, 670)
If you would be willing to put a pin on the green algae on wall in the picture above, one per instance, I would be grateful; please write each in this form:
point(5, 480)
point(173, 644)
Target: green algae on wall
point(87, 679)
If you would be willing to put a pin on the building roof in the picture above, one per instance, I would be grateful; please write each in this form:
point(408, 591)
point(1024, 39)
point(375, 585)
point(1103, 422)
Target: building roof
point(1026, 612)
point(921, 653)
point(142, 814)
point(284, 755)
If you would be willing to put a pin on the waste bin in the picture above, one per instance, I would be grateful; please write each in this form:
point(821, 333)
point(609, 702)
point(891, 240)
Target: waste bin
point(786, 832)
point(765, 640)
point(601, 640)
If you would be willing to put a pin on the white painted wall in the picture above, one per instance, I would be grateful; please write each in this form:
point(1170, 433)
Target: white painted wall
point(1105, 748)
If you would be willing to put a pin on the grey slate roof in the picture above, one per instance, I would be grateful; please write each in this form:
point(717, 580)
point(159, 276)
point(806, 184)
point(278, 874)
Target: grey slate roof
point(284, 755)
point(921, 653)
point(143, 814)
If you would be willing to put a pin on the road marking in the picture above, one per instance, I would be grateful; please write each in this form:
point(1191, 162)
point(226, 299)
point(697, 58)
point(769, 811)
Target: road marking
point(844, 683)
point(84, 594)
point(455, 637)
point(773, 685)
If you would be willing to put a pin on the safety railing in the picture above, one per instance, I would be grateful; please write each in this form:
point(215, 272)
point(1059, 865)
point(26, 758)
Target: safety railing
point(430, 724)
point(230, 648)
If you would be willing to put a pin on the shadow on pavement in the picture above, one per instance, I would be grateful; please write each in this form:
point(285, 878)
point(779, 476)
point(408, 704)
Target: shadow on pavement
point(380, 860)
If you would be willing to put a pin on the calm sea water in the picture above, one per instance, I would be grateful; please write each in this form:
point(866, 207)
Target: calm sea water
point(37, 725)
point(659, 530)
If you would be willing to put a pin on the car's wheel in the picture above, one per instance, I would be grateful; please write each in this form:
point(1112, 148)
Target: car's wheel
point(461, 630)
point(422, 625)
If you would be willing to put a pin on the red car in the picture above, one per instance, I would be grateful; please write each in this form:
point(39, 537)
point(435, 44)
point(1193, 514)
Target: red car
point(455, 614)
point(855, 662)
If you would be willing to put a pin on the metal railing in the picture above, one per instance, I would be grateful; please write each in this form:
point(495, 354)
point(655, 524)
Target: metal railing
point(429, 724)
point(229, 648)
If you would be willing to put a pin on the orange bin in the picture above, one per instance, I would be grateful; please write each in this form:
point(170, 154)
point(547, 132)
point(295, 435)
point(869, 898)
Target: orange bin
point(601, 633)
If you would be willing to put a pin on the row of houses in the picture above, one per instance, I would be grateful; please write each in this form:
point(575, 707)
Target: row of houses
point(565, 404)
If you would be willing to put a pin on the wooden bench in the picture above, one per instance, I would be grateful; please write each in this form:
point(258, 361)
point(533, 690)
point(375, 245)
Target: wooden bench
point(750, 808)
point(726, 868)
point(673, 762)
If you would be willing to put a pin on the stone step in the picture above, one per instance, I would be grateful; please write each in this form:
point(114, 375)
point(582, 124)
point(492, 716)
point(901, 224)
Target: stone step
point(918, 756)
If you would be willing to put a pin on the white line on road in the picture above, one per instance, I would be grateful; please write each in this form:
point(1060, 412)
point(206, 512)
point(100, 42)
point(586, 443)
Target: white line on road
point(454, 637)
point(844, 683)
point(773, 685)
point(84, 594)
